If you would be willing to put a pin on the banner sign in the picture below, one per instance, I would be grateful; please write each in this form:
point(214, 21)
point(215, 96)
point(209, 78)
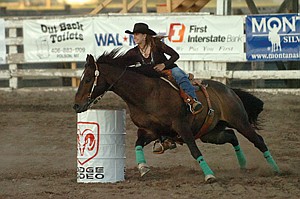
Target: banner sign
point(2, 42)
point(110, 31)
point(58, 40)
point(193, 37)
point(273, 37)
point(207, 37)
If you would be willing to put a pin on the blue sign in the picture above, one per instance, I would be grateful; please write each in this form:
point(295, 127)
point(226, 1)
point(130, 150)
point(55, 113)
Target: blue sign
point(273, 37)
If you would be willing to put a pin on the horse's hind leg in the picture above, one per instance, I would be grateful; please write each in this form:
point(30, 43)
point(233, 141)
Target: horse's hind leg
point(221, 136)
point(248, 131)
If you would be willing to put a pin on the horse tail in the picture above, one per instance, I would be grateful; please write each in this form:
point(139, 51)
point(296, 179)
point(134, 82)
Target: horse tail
point(252, 104)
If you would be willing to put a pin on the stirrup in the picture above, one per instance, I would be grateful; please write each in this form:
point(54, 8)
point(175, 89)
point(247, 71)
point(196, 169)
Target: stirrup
point(197, 104)
point(192, 109)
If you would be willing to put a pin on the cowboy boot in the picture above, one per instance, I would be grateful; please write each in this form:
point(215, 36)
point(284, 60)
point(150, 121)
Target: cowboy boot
point(196, 107)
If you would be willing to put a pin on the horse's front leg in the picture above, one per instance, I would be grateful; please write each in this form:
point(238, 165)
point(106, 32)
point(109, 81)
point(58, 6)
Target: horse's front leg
point(188, 138)
point(143, 139)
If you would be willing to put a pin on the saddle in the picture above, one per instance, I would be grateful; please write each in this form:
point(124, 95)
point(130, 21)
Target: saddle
point(188, 99)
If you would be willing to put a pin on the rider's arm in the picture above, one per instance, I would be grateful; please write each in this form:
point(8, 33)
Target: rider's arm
point(174, 56)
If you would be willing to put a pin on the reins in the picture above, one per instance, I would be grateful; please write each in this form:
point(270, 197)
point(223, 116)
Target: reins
point(97, 74)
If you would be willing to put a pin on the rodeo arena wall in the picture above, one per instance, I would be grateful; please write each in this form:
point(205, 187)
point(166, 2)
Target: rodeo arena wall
point(56, 47)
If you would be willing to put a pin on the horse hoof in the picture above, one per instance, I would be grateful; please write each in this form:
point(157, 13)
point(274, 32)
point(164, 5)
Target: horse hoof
point(143, 168)
point(210, 178)
point(144, 171)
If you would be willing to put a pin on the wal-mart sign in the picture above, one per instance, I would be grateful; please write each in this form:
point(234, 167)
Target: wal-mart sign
point(273, 37)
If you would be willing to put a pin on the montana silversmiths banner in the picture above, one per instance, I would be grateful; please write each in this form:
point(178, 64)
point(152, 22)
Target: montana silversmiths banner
point(2, 42)
point(58, 39)
point(216, 38)
point(273, 37)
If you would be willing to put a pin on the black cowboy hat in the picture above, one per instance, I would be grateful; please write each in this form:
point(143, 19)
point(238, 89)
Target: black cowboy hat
point(141, 28)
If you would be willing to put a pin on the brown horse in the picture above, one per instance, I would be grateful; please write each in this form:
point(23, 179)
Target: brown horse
point(158, 110)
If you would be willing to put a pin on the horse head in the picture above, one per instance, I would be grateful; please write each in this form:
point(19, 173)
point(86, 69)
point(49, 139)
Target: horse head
point(92, 84)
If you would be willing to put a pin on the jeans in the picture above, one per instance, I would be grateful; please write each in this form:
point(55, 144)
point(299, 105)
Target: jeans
point(182, 80)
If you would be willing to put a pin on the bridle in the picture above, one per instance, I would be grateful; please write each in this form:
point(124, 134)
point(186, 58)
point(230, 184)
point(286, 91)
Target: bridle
point(97, 73)
point(91, 102)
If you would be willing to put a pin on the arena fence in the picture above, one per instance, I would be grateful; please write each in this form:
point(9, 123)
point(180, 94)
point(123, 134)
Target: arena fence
point(201, 69)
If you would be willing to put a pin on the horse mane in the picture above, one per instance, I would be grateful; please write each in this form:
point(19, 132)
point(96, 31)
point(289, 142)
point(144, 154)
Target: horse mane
point(114, 58)
point(119, 59)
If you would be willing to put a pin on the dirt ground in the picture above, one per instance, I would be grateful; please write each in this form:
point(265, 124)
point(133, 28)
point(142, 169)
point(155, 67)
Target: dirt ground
point(38, 155)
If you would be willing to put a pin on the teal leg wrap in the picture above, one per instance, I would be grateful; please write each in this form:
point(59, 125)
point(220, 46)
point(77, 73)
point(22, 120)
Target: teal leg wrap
point(240, 156)
point(139, 155)
point(271, 161)
point(204, 166)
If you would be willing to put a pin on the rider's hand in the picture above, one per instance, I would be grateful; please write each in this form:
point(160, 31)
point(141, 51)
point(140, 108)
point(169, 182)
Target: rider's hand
point(159, 67)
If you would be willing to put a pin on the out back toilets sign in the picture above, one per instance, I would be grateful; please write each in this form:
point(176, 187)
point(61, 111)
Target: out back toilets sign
point(273, 37)
point(58, 39)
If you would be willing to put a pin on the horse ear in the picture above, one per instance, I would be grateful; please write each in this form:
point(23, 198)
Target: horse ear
point(90, 59)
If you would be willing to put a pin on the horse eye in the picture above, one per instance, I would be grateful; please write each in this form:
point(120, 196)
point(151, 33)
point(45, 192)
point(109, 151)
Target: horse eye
point(88, 80)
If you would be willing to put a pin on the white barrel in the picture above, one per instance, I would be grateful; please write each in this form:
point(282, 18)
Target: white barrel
point(101, 146)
